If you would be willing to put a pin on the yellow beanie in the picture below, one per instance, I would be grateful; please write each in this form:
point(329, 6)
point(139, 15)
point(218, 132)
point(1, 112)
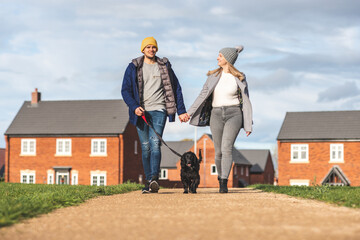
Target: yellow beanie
point(148, 41)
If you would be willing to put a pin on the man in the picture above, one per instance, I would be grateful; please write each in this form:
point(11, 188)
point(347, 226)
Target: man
point(151, 88)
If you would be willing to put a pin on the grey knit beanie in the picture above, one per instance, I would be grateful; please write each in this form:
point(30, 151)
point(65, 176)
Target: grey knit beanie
point(231, 54)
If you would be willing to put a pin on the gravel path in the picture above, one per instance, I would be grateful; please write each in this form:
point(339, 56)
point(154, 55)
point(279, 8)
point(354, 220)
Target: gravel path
point(170, 214)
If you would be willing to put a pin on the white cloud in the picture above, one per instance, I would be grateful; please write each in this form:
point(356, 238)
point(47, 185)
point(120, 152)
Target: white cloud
point(219, 11)
point(279, 79)
point(333, 93)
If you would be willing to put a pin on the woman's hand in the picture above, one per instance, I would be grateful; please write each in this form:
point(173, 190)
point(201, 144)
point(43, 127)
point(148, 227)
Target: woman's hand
point(184, 117)
point(248, 133)
point(139, 111)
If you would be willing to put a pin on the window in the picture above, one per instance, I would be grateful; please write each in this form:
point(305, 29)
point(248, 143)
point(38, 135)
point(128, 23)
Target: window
point(336, 152)
point(63, 147)
point(98, 179)
point(98, 147)
point(27, 176)
point(299, 182)
point(62, 177)
point(28, 147)
point(242, 170)
point(213, 170)
point(135, 151)
point(299, 153)
point(74, 177)
point(135, 147)
point(163, 174)
point(247, 171)
point(50, 178)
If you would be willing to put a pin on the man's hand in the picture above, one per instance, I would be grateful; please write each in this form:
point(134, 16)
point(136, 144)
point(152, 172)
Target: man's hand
point(184, 117)
point(139, 111)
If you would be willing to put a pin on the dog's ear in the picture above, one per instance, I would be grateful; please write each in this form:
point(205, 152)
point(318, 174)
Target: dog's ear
point(200, 157)
point(182, 161)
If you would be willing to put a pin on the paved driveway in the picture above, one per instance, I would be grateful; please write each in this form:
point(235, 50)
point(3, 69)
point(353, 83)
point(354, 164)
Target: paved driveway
point(240, 214)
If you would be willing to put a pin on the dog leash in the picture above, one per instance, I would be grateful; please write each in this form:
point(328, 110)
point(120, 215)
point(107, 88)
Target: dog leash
point(161, 139)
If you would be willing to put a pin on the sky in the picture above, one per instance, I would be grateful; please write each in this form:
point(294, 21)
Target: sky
point(298, 55)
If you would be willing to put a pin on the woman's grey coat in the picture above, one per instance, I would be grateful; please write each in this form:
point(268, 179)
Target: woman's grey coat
point(208, 88)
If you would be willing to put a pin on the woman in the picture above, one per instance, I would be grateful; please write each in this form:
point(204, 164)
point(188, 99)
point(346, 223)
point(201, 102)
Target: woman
point(224, 104)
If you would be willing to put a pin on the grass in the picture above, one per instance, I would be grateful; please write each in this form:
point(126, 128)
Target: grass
point(342, 196)
point(22, 201)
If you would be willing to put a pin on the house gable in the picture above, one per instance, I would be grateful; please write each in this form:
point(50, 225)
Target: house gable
point(83, 117)
point(327, 138)
point(327, 125)
point(168, 158)
point(85, 136)
point(257, 158)
point(336, 177)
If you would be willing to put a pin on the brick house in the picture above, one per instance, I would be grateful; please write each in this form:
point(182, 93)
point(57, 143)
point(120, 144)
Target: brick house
point(170, 166)
point(88, 142)
point(2, 162)
point(262, 169)
point(319, 148)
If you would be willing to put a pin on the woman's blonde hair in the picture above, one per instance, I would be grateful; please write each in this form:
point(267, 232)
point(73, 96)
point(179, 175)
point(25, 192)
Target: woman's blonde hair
point(232, 70)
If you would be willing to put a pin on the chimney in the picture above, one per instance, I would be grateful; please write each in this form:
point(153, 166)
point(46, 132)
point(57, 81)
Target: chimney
point(35, 97)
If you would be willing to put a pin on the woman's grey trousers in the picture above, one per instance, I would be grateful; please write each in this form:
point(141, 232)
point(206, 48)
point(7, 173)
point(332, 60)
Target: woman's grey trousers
point(225, 124)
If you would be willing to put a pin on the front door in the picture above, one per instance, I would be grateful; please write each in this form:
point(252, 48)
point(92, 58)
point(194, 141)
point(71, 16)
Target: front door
point(62, 177)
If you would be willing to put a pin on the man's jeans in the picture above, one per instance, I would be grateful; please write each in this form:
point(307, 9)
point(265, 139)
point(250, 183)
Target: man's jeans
point(150, 143)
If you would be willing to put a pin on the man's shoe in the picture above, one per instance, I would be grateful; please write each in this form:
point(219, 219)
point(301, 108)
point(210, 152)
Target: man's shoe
point(146, 189)
point(154, 185)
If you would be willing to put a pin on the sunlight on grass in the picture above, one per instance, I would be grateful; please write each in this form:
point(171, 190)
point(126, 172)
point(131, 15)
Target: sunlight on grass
point(21, 201)
point(340, 195)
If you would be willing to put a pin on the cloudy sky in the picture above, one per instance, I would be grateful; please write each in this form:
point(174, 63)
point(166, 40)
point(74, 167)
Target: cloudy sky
point(298, 56)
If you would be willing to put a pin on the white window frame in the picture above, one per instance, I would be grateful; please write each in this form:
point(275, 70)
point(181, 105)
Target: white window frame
point(97, 175)
point(50, 177)
point(27, 173)
point(62, 151)
point(136, 147)
point(98, 142)
point(212, 167)
point(164, 174)
point(338, 147)
point(26, 150)
point(74, 178)
point(299, 150)
point(299, 182)
point(62, 172)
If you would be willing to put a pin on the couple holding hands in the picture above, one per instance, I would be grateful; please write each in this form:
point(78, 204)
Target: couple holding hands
point(151, 87)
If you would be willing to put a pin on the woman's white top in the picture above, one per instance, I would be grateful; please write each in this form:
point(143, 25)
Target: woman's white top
point(225, 92)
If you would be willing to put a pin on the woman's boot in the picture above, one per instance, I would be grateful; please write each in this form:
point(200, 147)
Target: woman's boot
point(223, 186)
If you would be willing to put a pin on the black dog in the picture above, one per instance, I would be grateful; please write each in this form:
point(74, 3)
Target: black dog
point(190, 166)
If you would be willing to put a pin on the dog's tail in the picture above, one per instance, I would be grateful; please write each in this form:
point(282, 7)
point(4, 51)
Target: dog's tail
point(200, 157)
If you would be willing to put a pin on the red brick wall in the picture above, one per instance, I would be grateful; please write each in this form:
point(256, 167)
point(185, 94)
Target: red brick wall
point(80, 160)
point(238, 175)
point(132, 162)
point(2, 162)
point(318, 166)
point(257, 178)
point(269, 172)
point(267, 177)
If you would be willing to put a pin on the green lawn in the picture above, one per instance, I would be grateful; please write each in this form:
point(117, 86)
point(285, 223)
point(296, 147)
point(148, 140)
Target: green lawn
point(343, 196)
point(21, 201)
